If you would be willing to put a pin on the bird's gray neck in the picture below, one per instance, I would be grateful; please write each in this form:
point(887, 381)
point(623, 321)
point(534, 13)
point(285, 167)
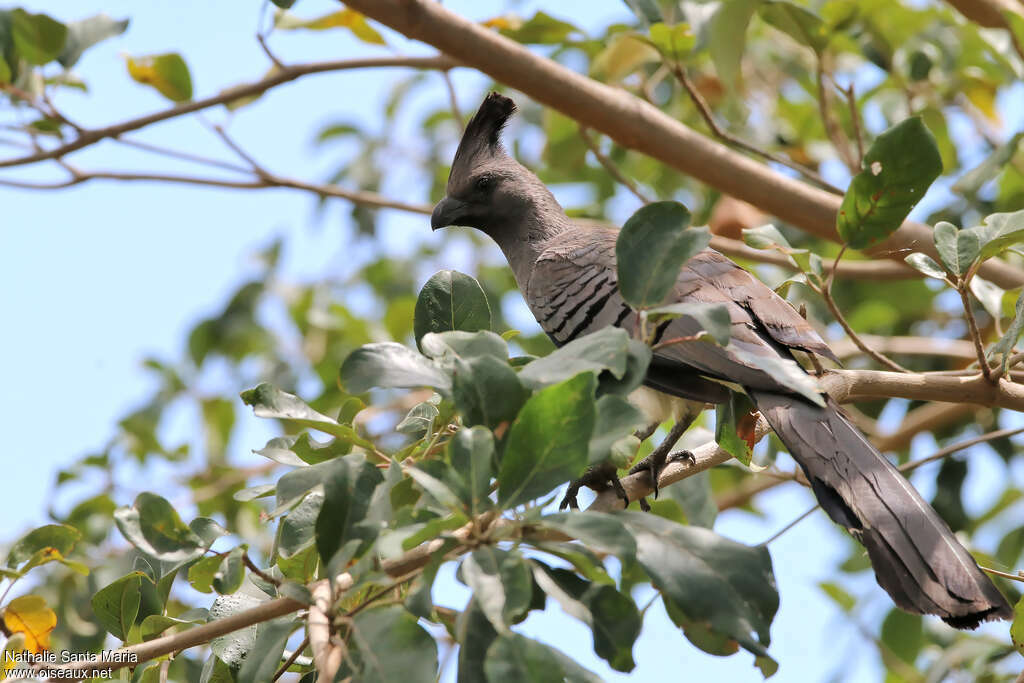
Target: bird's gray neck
point(525, 240)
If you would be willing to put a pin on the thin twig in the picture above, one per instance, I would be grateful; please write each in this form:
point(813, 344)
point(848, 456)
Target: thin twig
point(719, 132)
point(1013, 360)
point(179, 154)
point(356, 196)
point(1019, 576)
point(613, 170)
point(259, 572)
point(826, 294)
point(789, 526)
point(285, 75)
point(858, 136)
point(972, 325)
point(291, 660)
point(453, 101)
point(832, 127)
point(948, 450)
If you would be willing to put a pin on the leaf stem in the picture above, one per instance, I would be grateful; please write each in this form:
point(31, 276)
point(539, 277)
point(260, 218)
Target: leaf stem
point(972, 325)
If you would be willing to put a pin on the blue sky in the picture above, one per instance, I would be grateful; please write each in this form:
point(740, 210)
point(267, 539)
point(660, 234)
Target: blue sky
point(98, 277)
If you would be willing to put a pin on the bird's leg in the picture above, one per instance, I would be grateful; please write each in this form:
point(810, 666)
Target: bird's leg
point(654, 463)
point(599, 478)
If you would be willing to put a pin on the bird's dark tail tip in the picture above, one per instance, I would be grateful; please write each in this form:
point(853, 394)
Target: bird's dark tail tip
point(916, 557)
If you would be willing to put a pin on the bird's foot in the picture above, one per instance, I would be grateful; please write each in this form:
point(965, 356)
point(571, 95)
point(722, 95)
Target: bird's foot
point(682, 456)
point(599, 478)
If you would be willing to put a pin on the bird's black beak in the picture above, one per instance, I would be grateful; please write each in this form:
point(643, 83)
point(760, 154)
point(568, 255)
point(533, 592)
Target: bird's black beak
point(447, 212)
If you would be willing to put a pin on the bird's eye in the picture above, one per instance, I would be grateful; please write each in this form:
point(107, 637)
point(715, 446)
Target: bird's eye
point(485, 182)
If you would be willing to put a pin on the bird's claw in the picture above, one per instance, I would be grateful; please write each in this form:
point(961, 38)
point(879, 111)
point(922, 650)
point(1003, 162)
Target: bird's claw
point(683, 456)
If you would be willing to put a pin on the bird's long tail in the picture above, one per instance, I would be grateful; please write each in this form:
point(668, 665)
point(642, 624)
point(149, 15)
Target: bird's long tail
point(916, 557)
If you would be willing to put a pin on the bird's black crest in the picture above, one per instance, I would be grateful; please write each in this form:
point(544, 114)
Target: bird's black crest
point(484, 131)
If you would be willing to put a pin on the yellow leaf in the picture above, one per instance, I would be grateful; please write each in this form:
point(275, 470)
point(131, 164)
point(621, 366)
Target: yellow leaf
point(168, 73)
point(505, 22)
point(30, 615)
point(981, 93)
point(626, 53)
point(344, 18)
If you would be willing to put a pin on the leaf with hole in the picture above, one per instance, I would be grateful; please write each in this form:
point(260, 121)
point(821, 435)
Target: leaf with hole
point(897, 170)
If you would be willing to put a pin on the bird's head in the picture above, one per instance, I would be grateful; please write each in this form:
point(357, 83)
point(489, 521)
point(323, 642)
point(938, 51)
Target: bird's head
point(488, 189)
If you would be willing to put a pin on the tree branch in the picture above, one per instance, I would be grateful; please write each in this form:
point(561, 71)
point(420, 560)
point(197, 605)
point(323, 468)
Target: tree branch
point(288, 73)
point(861, 385)
point(638, 125)
point(609, 165)
point(705, 112)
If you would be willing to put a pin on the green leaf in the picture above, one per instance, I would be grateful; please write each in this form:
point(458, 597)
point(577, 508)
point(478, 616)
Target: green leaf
point(615, 419)
point(486, 391)
point(958, 249)
point(971, 182)
point(800, 24)
point(501, 584)
point(547, 443)
point(600, 531)
point(451, 300)
point(167, 73)
point(349, 483)
point(725, 586)
point(264, 659)
point(37, 37)
point(5, 71)
point(673, 41)
point(419, 421)
point(302, 450)
point(694, 496)
point(728, 38)
point(386, 645)
point(475, 635)
point(903, 634)
point(297, 529)
point(443, 346)
point(471, 453)
point(713, 318)
point(926, 264)
point(153, 526)
point(990, 296)
point(117, 604)
point(1004, 346)
point(214, 668)
point(612, 617)
point(51, 537)
point(201, 573)
point(512, 657)
point(727, 436)
point(899, 167)
point(651, 248)
point(269, 402)
point(606, 349)
point(283, 4)
point(390, 365)
point(542, 29)
point(155, 624)
point(786, 372)
point(625, 53)
point(234, 647)
point(229, 575)
point(998, 232)
point(85, 33)
point(646, 11)
point(1017, 627)
point(839, 595)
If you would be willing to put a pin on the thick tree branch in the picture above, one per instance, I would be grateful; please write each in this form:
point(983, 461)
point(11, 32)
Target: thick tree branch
point(638, 125)
point(861, 385)
point(278, 77)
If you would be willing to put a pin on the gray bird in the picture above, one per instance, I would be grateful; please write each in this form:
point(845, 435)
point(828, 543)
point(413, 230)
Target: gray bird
point(567, 273)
